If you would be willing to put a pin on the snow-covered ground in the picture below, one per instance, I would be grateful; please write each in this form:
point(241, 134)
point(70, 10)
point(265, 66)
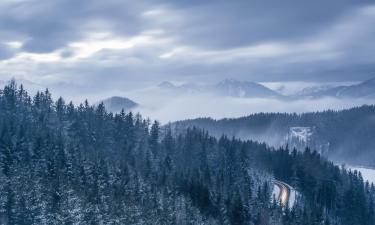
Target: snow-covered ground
point(292, 195)
point(367, 173)
point(302, 134)
point(275, 192)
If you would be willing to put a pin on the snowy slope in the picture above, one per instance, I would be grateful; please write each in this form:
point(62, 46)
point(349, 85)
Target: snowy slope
point(367, 173)
point(302, 134)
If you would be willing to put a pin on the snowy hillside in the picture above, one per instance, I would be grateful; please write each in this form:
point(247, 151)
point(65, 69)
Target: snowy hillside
point(368, 174)
point(303, 137)
point(301, 134)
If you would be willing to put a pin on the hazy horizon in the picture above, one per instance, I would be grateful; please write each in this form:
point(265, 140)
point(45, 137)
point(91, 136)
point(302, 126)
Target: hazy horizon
point(166, 106)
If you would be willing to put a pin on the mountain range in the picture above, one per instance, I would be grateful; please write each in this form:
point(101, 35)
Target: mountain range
point(250, 89)
point(228, 88)
point(365, 89)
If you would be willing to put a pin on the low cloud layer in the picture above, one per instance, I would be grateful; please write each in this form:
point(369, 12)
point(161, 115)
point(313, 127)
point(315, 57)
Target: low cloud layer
point(167, 108)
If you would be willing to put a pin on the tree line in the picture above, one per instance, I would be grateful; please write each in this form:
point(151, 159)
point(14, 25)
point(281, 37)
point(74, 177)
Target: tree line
point(67, 164)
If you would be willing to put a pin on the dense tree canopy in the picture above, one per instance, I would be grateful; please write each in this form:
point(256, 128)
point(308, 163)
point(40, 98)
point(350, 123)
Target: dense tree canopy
point(66, 164)
point(348, 135)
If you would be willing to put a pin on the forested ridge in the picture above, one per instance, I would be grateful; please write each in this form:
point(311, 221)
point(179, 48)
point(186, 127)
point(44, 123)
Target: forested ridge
point(350, 133)
point(66, 164)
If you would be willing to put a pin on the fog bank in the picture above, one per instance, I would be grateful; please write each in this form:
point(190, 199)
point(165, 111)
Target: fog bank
point(171, 108)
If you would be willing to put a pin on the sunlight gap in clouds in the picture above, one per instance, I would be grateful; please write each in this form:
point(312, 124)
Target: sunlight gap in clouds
point(96, 43)
point(154, 13)
point(90, 45)
point(14, 44)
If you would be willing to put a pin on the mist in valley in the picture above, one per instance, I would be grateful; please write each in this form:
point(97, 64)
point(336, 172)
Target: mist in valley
point(169, 107)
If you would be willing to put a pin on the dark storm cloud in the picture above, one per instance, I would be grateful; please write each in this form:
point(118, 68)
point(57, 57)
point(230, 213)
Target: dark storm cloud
point(49, 25)
point(219, 24)
point(223, 24)
point(153, 40)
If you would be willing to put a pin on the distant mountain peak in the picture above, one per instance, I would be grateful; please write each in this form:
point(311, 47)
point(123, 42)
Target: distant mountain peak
point(241, 89)
point(365, 89)
point(166, 84)
point(117, 103)
point(226, 87)
point(229, 80)
point(232, 81)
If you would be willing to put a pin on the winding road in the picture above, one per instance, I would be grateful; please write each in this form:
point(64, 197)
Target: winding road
point(286, 195)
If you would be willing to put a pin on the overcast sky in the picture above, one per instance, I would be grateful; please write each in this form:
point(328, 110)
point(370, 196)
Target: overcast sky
point(90, 45)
